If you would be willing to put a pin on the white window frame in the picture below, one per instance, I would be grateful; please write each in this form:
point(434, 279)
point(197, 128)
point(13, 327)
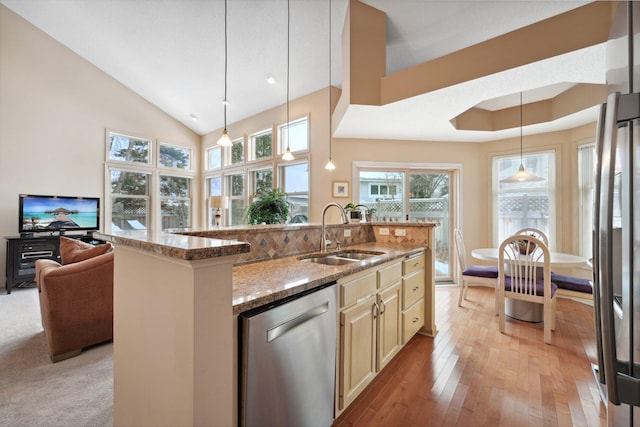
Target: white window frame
point(179, 147)
point(251, 146)
point(282, 143)
point(549, 184)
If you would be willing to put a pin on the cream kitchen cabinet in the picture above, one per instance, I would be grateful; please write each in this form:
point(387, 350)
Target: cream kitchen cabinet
point(371, 328)
point(413, 291)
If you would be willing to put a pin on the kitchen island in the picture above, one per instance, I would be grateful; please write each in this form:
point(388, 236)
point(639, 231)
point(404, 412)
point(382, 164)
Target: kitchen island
point(176, 298)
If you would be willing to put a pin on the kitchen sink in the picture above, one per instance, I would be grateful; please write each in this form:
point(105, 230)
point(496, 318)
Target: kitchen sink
point(357, 254)
point(340, 258)
point(329, 260)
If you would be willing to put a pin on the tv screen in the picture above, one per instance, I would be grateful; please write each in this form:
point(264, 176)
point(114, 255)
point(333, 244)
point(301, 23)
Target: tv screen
point(58, 213)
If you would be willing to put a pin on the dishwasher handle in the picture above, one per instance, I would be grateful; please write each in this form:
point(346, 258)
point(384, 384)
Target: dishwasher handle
point(283, 328)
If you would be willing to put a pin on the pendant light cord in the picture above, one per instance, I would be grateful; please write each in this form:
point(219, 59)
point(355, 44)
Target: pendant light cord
point(288, 67)
point(520, 127)
point(330, 105)
point(225, 65)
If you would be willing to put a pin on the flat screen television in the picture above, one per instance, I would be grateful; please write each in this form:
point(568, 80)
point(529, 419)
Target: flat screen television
point(58, 213)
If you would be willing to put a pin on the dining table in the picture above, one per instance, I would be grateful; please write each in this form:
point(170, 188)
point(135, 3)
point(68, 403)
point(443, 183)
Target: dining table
point(524, 310)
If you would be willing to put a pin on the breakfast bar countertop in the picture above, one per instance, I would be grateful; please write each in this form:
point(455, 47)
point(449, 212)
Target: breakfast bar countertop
point(262, 282)
point(265, 281)
point(178, 246)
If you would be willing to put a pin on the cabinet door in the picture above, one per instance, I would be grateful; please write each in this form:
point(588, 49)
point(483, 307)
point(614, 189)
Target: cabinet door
point(358, 349)
point(389, 324)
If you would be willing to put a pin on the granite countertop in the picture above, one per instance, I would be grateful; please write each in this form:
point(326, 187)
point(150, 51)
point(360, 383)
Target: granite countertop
point(263, 282)
point(178, 246)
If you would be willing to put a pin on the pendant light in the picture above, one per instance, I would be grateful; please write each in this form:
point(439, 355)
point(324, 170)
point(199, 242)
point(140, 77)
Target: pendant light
point(224, 140)
point(330, 166)
point(287, 154)
point(522, 175)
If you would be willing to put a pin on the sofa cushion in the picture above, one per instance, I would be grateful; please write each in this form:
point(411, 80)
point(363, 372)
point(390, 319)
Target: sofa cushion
point(75, 250)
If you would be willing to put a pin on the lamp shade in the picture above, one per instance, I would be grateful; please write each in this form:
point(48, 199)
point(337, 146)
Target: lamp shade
point(219, 202)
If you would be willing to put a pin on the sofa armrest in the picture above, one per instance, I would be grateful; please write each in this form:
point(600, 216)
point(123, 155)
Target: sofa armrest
point(43, 266)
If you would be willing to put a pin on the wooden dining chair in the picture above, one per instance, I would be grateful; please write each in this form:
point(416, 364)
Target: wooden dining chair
point(525, 275)
point(538, 234)
point(480, 274)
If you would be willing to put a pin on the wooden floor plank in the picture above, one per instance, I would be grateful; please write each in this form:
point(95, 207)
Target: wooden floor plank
point(472, 375)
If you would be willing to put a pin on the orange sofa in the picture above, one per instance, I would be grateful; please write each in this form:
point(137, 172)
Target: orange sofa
point(76, 303)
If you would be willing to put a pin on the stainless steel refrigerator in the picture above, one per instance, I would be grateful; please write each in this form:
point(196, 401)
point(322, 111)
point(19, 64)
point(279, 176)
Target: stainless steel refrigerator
point(616, 238)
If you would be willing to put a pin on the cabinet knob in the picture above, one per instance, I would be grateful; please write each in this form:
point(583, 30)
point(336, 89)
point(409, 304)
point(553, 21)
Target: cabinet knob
point(415, 320)
point(416, 288)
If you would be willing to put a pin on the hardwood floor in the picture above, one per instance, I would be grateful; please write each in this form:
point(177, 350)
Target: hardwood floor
point(472, 375)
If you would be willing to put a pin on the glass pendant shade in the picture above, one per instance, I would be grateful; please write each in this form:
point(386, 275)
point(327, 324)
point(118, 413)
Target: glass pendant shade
point(287, 155)
point(224, 140)
point(522, 176)
point(330, 166)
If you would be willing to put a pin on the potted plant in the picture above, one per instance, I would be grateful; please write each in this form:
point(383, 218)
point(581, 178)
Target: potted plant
point(526, 246)
point(354, 214)
point(268, 207)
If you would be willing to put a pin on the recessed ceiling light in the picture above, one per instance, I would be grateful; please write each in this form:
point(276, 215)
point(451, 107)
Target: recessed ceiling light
point(193, 117)
point(271, 79)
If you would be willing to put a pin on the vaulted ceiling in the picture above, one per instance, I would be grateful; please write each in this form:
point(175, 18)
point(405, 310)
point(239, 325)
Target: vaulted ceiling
point(171, 52)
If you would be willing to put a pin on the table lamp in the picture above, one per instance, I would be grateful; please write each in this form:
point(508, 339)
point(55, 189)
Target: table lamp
point(218, 203)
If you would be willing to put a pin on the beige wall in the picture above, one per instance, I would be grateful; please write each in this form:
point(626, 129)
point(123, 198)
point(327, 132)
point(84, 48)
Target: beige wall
point(54, 109)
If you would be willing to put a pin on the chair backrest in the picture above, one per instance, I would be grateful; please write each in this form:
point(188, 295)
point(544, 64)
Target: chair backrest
point(524, 266)
point(460, 251)
point(538, 234)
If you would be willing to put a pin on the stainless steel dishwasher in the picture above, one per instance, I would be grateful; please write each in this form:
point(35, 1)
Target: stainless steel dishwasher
point(287, 361)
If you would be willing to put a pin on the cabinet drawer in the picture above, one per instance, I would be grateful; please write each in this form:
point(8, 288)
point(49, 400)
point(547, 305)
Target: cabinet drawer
point(412, 289)
point(357, 288)
point(389, 274)
point(412, 321)
point(413, 264)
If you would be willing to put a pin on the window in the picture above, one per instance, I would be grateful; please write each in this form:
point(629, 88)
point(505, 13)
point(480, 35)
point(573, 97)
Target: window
point(297, 137)
point(261, 145)
point(175, 201)
point(586, 187)
point(214, 186)
point(129, 199)
point(237, 152)
point(295, 182)
point(214, 158)
point(141, 193)
point(236, 192)
point(524, 204)
point(412, 193)
point(174, 157)
point(124, 148)
point(261, 180)
point(383, 191)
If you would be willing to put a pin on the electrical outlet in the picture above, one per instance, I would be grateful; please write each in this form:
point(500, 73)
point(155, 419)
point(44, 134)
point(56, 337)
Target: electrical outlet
point(400, 232)
point(384, 231)
point(347, 233)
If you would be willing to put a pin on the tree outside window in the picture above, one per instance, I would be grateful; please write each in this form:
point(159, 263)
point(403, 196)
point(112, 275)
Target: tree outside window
point(262, 145)
point(129, 200)
point(125, 148)
point(175, 157)
point(175, 201)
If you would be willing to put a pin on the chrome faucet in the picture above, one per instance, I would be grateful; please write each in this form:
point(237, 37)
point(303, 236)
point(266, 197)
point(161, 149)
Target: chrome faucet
point(323, 237)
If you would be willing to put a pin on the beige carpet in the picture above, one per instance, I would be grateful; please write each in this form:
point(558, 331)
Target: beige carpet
point(36, 392)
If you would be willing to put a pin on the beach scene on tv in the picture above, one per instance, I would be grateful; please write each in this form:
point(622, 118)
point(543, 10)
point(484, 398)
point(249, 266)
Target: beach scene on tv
point(40, 213)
